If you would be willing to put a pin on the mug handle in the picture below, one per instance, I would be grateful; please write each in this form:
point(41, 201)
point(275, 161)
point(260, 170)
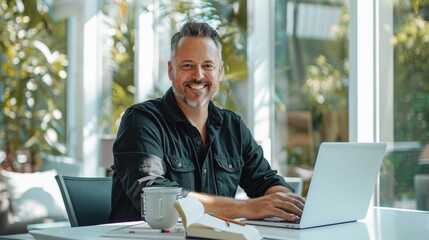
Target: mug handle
point(159, 215)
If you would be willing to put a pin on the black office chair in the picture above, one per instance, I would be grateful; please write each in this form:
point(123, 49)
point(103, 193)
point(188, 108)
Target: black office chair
point(87, 199)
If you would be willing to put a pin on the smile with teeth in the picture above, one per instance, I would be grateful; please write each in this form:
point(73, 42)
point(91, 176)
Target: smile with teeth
point(197, 86)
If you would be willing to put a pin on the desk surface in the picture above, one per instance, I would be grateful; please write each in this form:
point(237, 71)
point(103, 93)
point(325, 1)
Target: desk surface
point(379, 224)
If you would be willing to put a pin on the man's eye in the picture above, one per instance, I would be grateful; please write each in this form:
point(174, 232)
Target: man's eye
point(208, 66)
point(186, 66)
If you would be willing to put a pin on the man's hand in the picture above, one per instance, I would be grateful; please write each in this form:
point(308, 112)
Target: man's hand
point(285, 205)
point(278, 201)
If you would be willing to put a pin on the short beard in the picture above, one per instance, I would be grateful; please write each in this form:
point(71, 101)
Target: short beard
point(188, 101)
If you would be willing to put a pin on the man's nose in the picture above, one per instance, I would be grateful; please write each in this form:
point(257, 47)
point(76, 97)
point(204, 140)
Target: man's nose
point(198, 73)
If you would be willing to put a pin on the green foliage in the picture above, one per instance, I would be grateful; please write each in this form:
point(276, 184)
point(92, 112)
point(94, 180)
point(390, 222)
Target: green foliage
point(233, 32)
point(325, 86)
point(119, 18)
point(32, 80)
point(411, 43)
point(416, 4)
point(411, 96)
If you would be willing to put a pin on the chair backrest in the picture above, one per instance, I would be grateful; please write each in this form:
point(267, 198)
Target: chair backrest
point(87, 199)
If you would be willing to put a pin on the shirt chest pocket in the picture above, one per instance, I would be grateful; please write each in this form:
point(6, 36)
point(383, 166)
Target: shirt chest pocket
point(228, 173)
point(181, 171)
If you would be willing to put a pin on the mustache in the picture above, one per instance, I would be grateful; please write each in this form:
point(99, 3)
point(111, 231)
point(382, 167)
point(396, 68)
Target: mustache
point(202, 81)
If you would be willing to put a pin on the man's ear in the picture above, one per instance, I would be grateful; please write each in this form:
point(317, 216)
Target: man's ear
point(170, 70)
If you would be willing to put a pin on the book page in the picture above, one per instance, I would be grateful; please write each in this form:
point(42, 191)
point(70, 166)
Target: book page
point(190, 210)
point(200, 224)
point(218, 225)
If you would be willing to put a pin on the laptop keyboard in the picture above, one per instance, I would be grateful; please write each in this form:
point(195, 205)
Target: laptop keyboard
point(277, 219)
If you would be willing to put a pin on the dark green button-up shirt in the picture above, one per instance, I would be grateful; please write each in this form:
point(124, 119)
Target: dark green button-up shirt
point(157, 146)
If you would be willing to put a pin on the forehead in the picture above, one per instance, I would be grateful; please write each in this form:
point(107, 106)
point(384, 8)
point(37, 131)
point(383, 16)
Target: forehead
point(197, 49)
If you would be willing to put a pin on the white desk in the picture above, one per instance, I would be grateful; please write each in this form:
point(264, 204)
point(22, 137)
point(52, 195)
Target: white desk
point(380, 224)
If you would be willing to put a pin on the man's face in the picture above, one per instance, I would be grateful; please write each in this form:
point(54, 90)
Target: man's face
point(195, 71)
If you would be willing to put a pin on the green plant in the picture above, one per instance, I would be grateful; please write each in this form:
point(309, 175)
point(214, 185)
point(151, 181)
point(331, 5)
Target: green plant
point(416, 4)
point(411, 42)
point(325, 87)
point(32, 83)
point(119, 17)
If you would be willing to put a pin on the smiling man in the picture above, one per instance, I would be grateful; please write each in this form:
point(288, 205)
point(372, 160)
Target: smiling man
point(184, 140)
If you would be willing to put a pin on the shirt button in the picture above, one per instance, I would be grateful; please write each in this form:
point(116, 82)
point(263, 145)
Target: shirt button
point(180, 164)
point(199, 142)
point(230, 166)
point(205, 170)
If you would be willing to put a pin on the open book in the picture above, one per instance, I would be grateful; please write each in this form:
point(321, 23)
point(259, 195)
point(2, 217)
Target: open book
point(202, 225)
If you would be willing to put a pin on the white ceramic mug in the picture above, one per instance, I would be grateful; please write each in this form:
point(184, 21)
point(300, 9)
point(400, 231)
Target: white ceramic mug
point(159, 211)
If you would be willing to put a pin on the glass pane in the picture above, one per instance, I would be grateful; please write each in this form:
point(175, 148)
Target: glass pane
point(405, 173)
point(311, 81)
point(118, 36)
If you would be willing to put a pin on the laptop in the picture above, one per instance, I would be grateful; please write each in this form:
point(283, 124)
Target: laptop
point(341, 188)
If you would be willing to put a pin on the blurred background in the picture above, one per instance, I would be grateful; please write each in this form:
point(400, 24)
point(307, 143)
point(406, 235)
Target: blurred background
point(299, 72)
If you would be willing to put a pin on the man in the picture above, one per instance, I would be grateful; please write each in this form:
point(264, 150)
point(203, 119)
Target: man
point(184, 140)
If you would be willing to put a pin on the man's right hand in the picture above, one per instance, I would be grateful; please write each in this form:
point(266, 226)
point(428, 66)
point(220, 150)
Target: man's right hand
point(285, 205)
point(278, 201)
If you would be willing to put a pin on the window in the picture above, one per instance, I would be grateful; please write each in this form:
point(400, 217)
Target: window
point(118, 63)
point(311, 81)
point(404, 54)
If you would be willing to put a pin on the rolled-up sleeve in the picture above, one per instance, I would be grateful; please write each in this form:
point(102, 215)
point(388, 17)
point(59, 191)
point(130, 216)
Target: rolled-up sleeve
point(138, 170)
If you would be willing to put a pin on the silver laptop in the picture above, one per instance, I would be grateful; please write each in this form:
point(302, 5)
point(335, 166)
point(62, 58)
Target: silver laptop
point(341, 188)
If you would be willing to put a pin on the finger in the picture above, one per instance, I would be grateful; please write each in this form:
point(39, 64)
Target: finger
point(285, 215)
point(289, 204)
point(300, 198)
point(296, 200)
point(299, 202)
point(291, 207)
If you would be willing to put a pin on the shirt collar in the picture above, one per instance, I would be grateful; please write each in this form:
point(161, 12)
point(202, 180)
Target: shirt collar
point(176, 115)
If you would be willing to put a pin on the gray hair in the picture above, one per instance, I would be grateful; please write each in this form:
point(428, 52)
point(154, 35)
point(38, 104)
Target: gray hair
point(195, 29)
